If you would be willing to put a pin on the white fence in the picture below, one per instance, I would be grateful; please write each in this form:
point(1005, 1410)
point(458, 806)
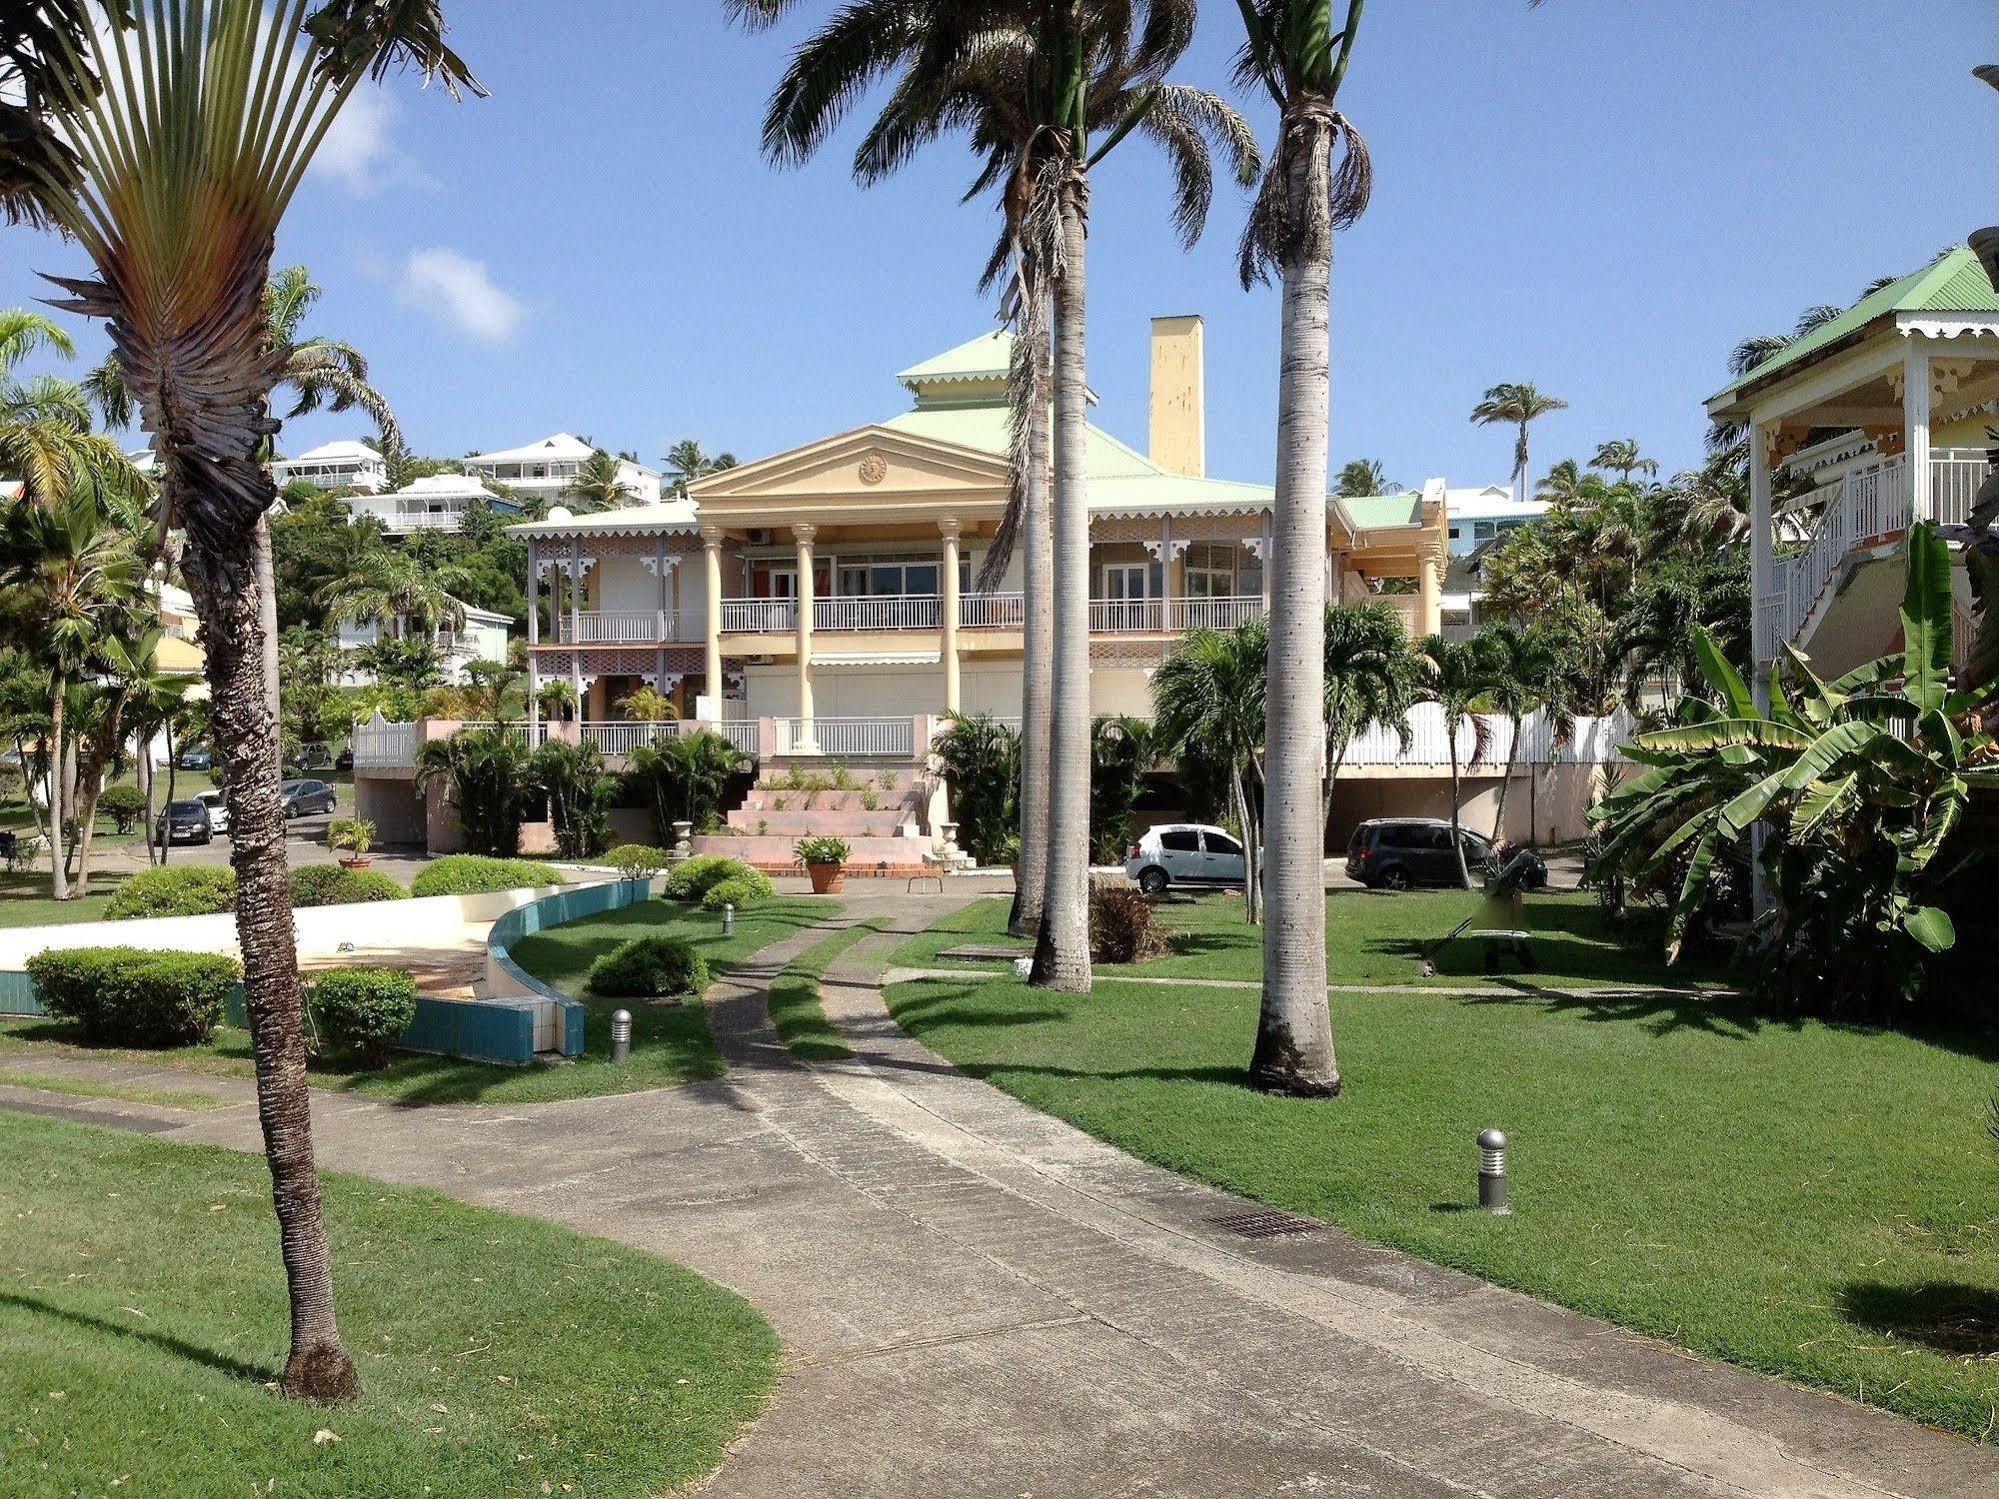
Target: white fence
point(1866, 506)
point(622, 736)
point(1225, 613)
point(759, 616)
point(1590, 741)
point(381, 745)
point(617, 627)
point(991, 611)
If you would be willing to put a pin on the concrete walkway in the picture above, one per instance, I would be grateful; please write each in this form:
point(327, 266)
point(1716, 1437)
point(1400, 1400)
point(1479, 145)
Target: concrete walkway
point(979, 1300)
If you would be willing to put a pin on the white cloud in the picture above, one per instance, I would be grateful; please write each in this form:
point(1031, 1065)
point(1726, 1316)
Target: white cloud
point(360, 151)
point(460, 293)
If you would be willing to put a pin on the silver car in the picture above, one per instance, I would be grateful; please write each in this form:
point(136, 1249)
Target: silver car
point(1185, 853)
point(218, 811)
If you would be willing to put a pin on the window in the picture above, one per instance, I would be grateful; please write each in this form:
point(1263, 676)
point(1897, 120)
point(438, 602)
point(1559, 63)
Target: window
point(1221, 843)
point(894, 577)
point(1180, 841)
point(1211, 570)
point(1484, 530)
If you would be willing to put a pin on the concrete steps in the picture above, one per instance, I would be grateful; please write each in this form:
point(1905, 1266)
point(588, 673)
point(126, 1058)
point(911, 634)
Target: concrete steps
point(837, 824)
point(893, 857)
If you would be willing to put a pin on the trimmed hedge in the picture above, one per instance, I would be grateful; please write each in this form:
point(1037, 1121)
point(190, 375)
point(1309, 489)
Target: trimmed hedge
point(330, 885)
point(174, 890)
point(364, 1010)
point(636, 859)
point(127, 996)
point(649, 966)
point(750, 888)
point(692, 879)
point(475, 874)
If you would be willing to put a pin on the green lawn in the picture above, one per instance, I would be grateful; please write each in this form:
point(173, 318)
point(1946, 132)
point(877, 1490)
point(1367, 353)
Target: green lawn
point(24, 899)
point(670, 1043)
point(1814, 1200)
point(1373, 938)
point(144, 1311)
point(87, 1087)
point(795, 1008)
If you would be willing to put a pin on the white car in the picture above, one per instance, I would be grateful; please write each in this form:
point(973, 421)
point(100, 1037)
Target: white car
point(218, 811)
point(1185, 853)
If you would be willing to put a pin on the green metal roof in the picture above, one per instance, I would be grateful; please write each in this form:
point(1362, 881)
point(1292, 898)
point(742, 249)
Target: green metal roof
point(986, 357)
point(1954, 283)
point(1385, 510)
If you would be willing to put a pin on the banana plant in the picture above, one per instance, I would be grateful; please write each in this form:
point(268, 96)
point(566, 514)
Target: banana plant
point(1859, 783)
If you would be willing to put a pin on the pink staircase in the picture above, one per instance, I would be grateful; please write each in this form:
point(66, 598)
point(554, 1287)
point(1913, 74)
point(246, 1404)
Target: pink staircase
point(806, 798)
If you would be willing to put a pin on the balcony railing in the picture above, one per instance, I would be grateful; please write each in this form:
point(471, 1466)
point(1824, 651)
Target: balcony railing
point(618, 627)
point(888, 611)
point(1587, 741)
point(1225, 613)
point(1867, 506)
point(759, 616)
point(983, 611)
point(418, 520)
point(991, 611)
point(886, 737)
point(622, 736)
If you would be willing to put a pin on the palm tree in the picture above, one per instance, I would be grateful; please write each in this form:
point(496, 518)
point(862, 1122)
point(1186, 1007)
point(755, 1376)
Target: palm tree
point(556, 699)
point(1029, 81)
point(76, 580)
point(393, 590)
point(1370, 681)
point(1318, 183)
point(599, 484)
point(46, 443)
point(686, 462)
point(1208, 704)
point(486, 774)
point(1520, 668)
point(175, 179)
point(1456, 673)
point(1518, 405)
point(1621, 457)
point(684, 778)
point(1363, 478)
point(647, 704)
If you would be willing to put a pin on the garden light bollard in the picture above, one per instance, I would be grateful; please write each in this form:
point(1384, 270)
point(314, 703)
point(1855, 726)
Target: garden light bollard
point(728, 919)
point(1492, 1171)
point(621, 1035)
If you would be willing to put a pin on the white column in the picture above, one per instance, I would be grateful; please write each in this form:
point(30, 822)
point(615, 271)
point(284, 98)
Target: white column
point(534, 594)
point(711, 541)
point(947, 635)
point(1916, 425)
point(1762, 581)
point(805, 739)
point(576, 592)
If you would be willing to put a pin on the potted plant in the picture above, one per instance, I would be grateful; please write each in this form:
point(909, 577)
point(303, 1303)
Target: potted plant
point(825, 861)
point(356, 835)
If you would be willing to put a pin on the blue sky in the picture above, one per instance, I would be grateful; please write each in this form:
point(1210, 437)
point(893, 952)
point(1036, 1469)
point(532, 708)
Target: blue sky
point(1600, 198)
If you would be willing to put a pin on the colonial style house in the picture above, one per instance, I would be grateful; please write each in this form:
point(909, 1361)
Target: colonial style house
point(1887, 409)
point(829, 588)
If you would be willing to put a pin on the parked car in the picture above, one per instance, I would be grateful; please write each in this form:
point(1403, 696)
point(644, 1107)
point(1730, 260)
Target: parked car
point(1185, 853)
point(308, 798)
point(314, 754)
point(218, 811)
point(183, 822)
point(1394, 853)
point(199, 758)
point(345, 759)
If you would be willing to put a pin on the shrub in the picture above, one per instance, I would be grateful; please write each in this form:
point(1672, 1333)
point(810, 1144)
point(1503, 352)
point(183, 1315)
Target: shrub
point(649, 966)
point(692, 877)
point(1122, 926)
point(125, 996)
point(174, 890)
point(475, 874)
point(357, 887)
point(124, 805)
point(634, 860)
point(364, 1010)
point(750, 888)
point(822, 849)
point(312, 885)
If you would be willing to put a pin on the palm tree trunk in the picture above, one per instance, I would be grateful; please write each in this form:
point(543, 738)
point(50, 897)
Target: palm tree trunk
point(92, 788)
point(1294, 1036)
point(59, 884)
point(1062, 952)
point(1506, 781)
point(1037, 628)
point(224, 585)
point(1252, 848)
point(1457, 795)
point(147, 778)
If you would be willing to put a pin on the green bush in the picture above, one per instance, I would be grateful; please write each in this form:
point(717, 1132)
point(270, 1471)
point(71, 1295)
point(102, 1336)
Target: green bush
point(649, 966)
point(635, 859)
point(126, 996)
point(330, 885)
point(750, 888)
point(475, 874)
point(364, 1010)
point(124, 805)
point(692, 877)
point(174, 890)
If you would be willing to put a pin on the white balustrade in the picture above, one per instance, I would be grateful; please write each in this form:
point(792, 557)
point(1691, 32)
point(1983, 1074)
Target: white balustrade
point(1222, 613)
point(884, 737)
point(1589, 741)
point(991, 611)
point(384, 746)
point(622, 736)
point(1126, 616)
point(759, 616)
point(618, 627)
point(884, 611)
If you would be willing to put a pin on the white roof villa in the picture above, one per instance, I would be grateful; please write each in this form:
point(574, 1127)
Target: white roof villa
point(547, 468)
point(334, 465)
point(436, 503)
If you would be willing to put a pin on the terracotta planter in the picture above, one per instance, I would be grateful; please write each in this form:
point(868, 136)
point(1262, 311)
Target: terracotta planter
point(355, 861)
point(827, 879)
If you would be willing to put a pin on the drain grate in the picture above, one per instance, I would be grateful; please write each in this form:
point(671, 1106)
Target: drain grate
point(1254, 1225)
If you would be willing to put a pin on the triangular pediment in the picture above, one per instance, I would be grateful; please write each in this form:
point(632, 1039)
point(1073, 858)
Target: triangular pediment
point(867, 465)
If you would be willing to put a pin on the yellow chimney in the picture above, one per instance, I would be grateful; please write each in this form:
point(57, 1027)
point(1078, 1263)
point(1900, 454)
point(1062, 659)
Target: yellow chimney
point(1179, 397)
